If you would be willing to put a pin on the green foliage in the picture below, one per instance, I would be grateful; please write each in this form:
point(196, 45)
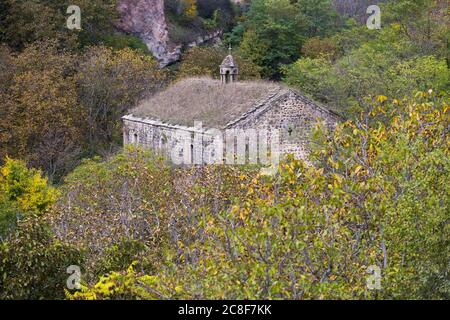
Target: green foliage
point(120, 256)
point(316, 77)
point(109, 82)
point(9, 214)
point(119, 42)
point(423, 22)
point(72, 102)
point(34, 264)
point(389, 64)
point(234, 37)
point(98, 18)
point(274, 34)
point(27, 21)
point(23, 193)
point(320, 48)
point(276, 31)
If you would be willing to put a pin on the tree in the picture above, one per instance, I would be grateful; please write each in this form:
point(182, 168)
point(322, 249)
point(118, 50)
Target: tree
point(320, 48)
point(110, 82)
point(276, 30)
point(320, 15)
point(27, 21)
point(319, 79)
point(423, 23)
point(42, 121)
point(23, 193)
point(388, 64)
point(34, 264)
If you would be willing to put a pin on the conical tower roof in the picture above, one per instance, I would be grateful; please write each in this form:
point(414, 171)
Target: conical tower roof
point(228, 62)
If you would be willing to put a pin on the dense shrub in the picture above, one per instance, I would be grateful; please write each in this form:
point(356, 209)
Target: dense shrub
point(34, 264)
point(151, 207)
point(23, 193)
point(276, 31)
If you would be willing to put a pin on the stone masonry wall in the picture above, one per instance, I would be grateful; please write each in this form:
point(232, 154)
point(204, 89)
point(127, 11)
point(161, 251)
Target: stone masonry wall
point(293, 114)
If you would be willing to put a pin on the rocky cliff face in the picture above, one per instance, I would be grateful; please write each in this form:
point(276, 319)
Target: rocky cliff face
point(146, 19)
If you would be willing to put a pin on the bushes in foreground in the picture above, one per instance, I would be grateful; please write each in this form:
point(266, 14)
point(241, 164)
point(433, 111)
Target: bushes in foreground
point(376, 195)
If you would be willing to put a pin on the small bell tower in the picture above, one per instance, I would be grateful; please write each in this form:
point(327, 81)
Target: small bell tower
point(229, 70)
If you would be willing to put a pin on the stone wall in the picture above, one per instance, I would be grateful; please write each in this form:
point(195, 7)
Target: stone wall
point(162, 137)
point(293, 114)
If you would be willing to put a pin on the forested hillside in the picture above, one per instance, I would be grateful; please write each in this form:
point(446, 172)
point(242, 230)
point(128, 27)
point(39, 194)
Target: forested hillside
point(374, 191)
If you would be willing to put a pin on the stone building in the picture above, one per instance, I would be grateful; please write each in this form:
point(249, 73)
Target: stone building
point(186, 118)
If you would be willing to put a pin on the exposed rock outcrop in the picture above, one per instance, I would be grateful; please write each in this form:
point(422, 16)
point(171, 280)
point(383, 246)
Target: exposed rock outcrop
point(146, 19)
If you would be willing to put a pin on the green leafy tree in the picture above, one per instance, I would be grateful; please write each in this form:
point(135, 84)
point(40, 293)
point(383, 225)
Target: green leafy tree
point(42, 94)
point(26, 21)
point(34, 264)
point(276, 31)
point(388, 64)
point(23, 192)
point(274, 35)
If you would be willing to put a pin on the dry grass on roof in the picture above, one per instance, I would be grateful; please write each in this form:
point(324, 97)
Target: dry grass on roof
point(206, 100)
